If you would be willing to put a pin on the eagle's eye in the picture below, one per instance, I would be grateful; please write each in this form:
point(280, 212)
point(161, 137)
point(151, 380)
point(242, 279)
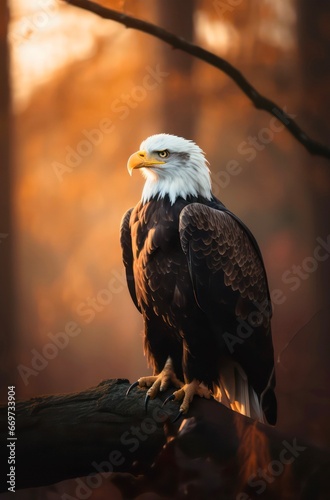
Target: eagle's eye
point(163, 154)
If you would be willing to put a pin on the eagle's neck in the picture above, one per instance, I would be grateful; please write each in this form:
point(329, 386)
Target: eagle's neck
point(177, 182)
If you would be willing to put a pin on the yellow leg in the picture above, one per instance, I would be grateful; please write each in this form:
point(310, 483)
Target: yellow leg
point(160, 382)
point(187, 392)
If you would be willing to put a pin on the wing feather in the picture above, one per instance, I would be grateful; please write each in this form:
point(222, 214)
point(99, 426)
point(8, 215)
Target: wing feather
point(230, 285)
point(126, 245)
point(215, 240)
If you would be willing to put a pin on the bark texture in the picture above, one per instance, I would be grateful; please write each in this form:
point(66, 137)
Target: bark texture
point(213, 453)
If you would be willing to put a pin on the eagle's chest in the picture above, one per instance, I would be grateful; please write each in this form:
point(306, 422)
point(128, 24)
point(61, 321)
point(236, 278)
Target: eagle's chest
point(159, 264)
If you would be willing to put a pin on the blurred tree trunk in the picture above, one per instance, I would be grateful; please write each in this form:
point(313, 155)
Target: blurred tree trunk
point(6, 234)
point(314, 51)
point(314, 45)
point(180, 105)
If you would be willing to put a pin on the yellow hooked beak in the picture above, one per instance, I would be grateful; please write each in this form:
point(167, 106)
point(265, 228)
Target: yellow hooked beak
point(140, 160)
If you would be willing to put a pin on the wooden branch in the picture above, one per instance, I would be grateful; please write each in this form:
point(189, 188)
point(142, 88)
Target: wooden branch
point(258, 100)
point(68, 433)
point(215, 451)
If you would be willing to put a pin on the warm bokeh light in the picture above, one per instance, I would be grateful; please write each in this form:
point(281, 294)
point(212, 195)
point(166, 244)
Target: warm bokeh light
point(46, 36)
point(82, 106)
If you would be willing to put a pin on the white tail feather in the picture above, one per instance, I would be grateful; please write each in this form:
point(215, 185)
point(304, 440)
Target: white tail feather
point(235, 392)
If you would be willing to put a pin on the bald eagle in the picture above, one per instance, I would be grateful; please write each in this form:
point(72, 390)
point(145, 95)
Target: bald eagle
point(196, 274)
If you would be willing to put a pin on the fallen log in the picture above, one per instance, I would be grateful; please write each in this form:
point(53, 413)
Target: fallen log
point(213, 453)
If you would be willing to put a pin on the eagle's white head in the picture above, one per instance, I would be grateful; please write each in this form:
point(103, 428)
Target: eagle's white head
point(172, 166)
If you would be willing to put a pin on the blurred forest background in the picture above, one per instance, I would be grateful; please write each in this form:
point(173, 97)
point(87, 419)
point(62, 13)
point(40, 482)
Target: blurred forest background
point(78, 95)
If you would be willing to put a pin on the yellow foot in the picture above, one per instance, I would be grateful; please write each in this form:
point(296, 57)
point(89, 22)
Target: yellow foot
point(187, 393)
point(160, 382)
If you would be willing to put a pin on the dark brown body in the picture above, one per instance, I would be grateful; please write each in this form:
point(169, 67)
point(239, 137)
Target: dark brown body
point(194, 283)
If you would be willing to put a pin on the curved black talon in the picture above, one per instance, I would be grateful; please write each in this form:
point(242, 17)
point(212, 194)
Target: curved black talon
point(131, 387)
point(178, 416)
point(146, 401)
point(170, 398)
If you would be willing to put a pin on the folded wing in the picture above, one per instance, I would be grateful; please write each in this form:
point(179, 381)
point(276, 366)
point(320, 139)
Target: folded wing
point(230, 286)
